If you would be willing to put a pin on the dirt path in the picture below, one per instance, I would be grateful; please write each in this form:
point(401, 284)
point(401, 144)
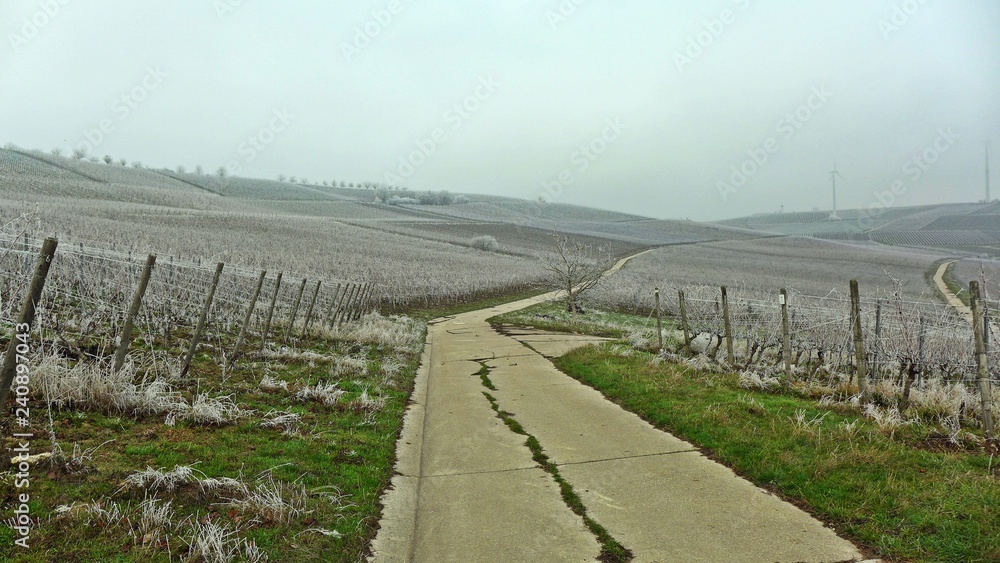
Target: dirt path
point(961, 308)
point(468, 489)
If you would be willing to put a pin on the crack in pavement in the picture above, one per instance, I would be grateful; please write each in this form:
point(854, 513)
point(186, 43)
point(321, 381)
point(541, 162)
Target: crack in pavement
point(637, 456)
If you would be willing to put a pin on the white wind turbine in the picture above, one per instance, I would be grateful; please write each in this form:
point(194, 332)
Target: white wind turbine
point(833, 180)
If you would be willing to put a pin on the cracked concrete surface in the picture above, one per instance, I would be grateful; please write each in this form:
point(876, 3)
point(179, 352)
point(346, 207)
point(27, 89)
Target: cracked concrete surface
point(468, 490)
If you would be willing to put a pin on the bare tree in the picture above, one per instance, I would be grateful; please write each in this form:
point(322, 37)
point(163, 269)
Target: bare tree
point(199, 170)
point(79, 153)
point(107, 159)
point(221, 172)
point(122, 162)
point(57, 151)
point(575, 268)
point(181, 169)
point(281, 177)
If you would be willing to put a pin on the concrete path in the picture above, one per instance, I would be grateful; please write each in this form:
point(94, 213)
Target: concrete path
point(467, 489)
point(961, 308)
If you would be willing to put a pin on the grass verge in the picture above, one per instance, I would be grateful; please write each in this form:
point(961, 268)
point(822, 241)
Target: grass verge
point(293, 470)
point(900, 500)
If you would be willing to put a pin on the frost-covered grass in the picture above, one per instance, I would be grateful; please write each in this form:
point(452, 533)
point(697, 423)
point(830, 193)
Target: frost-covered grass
point(137, 487)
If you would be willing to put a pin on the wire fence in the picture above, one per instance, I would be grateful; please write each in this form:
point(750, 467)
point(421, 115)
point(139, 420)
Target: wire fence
point(89, 290)
point(902, 337)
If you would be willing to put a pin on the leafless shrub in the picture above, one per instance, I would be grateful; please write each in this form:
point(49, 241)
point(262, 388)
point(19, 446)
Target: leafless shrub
point(485, 242)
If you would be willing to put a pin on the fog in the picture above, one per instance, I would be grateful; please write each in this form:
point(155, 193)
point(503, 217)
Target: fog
point(701, 110)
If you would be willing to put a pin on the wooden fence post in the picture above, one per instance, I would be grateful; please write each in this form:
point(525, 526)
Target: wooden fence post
point(684, 320)
point(659, 323)
point(202, 319)
point(26, 318)
point(859, 343)
point(133, 310)
point(359, 311)
point(983, 379)
point(309, 310)
point(342, 315)
point(295, 311)
point(338, 314)
point(333, 305)
point(786, 335)
point(878, 341)
point(270, 312)
point(728, 324)
point(247, 317)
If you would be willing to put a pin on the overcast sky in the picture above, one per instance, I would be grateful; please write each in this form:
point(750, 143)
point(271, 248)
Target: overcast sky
point(699, 109)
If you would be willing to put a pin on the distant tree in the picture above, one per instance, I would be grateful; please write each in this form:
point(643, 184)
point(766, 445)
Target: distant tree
point(79, 153)
point(343, 184)
point(281, 177)
point(107, 159)
point(122, 162)
point(351, 185)
point(292, 179)
point(94, 159)
point(325, 183)
point(136, 164)
point(305, 180)
point(382, 195)
point(199, 170)
point(485, 242)
point(461, 199)
point(181, 169)
point(56, 151)
point(221, 172)
point(575, 268)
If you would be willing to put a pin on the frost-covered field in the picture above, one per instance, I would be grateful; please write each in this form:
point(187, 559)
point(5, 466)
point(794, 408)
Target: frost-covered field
point(764, 266)
point(417, 254)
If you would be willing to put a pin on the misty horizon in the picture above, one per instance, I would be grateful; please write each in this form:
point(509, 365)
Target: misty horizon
point(706, 111)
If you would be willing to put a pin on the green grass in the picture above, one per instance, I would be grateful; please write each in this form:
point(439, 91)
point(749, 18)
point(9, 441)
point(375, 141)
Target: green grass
point(554, 316)
point(474, 304)
point(339, 448)
point(896, 496)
